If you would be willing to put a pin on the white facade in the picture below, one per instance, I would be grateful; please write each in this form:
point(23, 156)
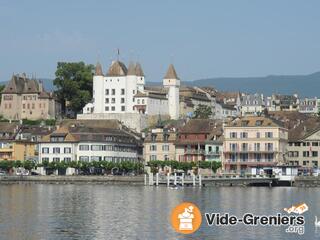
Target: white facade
point(86, 151)
point(117, 93)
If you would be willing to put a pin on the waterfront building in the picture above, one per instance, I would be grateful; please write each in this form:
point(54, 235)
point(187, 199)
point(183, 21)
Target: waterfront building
point(24, 98)
point(214, 147)
point(121, 94)
point(159, 143)
point(91, 140)
point(12, 147)
point(192, 139)
point(304, 144)
point(252, 104)
point(254, 142)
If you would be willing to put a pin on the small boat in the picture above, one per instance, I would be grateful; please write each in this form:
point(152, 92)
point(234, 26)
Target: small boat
point(174, 188)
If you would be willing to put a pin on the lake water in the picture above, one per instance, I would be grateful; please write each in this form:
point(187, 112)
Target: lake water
point(41, 211)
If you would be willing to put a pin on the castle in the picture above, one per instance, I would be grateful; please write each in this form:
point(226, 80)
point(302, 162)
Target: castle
point(121, 94)
point(25, 98)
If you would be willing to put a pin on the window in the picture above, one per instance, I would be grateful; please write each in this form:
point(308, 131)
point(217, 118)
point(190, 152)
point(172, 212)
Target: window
point(98, 147)
point(315, 144)
point(153, 137)
point(134, 92)
point(55, 159)
point(314, 153)
point(166, 157)
point(244, 147)
point(84, 147)
point(233, 157)
point(32, 106)
point(113, 100)
point(233, 135)
point(257, 147)
point(142, 101)
point(56, 150)
point(113, 108)
point(84, 158)
point(96, 158)
point(269, 157)
point(107, 100)
point(122, 91)
point(269, 134)
point(153, 147)
point(257, 157)
point(45, 159)
point(153, 157)
point(107, 91)
point(138, 101)
point(165, 148)
point(106, 109)
point(233, 147)
point(113, 92)
point(123, 108)
point(269, 146)
point(67, 150)
point(305, 153)
point(122, 100)
point(243, 135)
point(244, 157)
point(67, 159)
point(109, 138)
point(45, 150)
point(258, 135)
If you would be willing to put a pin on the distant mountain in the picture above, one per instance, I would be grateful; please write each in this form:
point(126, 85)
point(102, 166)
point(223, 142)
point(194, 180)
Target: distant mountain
point(48, 84)
point(303, 85)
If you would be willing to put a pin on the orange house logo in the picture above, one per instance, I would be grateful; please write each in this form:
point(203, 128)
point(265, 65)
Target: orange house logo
point(186, 218)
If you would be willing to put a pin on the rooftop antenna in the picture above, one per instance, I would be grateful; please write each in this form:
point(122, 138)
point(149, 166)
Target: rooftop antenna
point(118, 54)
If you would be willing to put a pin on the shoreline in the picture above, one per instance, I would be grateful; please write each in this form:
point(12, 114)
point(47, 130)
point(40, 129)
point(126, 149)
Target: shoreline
point(137, 180)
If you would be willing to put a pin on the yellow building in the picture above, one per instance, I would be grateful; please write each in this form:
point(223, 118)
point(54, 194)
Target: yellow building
point(17, 150)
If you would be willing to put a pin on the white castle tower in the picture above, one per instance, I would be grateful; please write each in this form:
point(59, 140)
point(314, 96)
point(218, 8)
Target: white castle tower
point(172, 82)
point(98, 89)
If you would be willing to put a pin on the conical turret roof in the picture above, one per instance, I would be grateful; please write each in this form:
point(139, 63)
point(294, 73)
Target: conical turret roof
point(98, 69)
point(139, 71)
point(131, 69)
point(171, 73)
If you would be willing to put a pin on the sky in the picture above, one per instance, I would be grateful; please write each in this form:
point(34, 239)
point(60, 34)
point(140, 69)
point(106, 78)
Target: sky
point(203, 38)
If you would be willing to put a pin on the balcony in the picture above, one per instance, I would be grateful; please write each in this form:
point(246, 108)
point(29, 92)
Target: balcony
point(213, 153)
point(195, 151)
point(249, 150)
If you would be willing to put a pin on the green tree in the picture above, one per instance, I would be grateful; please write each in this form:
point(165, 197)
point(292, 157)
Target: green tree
point(202, 111)
point(74, 84)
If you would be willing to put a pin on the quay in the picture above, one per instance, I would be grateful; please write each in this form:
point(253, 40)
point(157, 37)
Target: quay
point(76, 179)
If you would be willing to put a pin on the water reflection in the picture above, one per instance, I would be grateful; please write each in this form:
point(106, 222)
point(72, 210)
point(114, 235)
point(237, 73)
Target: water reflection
point(39, 211)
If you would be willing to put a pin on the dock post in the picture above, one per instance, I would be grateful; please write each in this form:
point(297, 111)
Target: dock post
point(151, 179)
point(145, 179)
point(200, 181)
point(193, 180)
point(182, 181)
point(168, 179)
point(175, 179)
point(157, 179)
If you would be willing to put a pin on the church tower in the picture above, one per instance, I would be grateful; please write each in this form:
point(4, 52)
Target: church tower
point(172, 82)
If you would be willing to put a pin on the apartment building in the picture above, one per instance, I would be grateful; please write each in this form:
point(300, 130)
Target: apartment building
point(253, 142)
point(304, 144)
point(159, 143)
point(98, 140)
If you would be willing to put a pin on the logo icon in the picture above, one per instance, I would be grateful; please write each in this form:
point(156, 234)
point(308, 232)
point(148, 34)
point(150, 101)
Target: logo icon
point(186, 218)
point(298, 209)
